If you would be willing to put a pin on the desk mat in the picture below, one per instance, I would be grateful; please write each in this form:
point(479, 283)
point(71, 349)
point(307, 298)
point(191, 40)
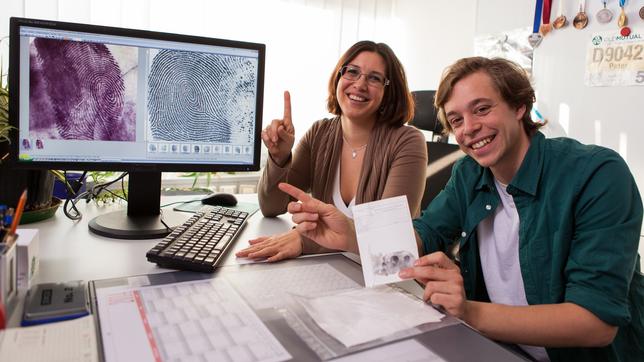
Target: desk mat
point(269, 290)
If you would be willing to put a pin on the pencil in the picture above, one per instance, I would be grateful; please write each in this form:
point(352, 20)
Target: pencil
point(18, 214)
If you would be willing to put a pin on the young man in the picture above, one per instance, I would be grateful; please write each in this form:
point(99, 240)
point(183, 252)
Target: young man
point(547, 229)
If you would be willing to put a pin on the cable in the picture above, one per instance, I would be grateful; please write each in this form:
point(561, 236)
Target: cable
point(69, 208)
point(181, 202)
point(168, 228)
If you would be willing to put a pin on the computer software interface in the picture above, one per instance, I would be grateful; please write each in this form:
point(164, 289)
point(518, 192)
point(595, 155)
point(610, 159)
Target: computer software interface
point(91, 97)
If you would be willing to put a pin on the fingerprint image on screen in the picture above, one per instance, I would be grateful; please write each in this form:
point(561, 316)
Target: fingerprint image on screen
point(81, 90)
point(202, 97)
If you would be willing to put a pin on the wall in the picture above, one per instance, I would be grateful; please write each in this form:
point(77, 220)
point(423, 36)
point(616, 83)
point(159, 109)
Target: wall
point(608, 116)
point(433, 34)
point(304, 37)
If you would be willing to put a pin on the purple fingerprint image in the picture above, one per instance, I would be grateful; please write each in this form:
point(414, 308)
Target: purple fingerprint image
point(79, 91)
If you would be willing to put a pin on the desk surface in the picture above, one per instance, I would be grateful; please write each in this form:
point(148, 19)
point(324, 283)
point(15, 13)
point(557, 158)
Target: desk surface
point(68, 251)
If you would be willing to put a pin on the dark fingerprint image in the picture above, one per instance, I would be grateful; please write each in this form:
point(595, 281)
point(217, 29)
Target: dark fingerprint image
point(78, 91)
point(200, 97)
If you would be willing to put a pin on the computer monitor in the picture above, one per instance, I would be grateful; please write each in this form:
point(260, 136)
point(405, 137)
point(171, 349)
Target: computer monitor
point(86, 97)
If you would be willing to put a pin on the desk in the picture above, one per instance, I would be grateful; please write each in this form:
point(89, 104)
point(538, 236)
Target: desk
point(68, 251)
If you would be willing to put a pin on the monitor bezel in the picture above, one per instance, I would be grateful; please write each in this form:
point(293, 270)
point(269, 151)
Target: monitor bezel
point(156, 166)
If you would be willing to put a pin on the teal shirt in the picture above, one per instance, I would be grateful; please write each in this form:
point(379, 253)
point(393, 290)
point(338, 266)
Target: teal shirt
point(580, 220)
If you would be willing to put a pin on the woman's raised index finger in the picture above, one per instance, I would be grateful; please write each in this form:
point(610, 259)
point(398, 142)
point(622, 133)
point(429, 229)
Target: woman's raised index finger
point(287, 108)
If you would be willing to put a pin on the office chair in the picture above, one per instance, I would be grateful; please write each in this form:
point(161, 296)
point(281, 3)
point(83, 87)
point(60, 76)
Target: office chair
point(440, 154)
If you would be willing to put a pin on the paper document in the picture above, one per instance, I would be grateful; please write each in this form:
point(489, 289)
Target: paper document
point(385, 238)
point(362, 315)
point(196, 320)
point(71, 341)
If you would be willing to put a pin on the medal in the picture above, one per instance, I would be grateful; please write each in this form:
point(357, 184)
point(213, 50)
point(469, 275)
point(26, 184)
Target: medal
point(545, 26)
point(622, 20)
point(560, 20)
point(604, 15)
point(625, 31)
point(581, 19)
point(642, 13)
point(535, 38)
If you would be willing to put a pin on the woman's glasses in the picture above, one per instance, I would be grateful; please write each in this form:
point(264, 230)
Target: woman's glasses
point(353, 74)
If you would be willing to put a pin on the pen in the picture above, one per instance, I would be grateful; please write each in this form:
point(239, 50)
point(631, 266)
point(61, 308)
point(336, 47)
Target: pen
point(18, 214)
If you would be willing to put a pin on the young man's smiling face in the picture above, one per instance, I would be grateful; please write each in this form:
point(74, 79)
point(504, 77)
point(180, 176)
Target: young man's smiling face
point(486, 127)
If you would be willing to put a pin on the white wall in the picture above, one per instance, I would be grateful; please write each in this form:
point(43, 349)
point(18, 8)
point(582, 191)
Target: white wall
point(498, 16)
point(558, 70)
point(304, 37)
point(433, 34)
point(608, 116)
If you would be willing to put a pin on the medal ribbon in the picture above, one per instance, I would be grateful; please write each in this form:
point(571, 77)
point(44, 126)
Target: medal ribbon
point(537, 15)
point(560, 10)
point(622, 3)
point(547, 6)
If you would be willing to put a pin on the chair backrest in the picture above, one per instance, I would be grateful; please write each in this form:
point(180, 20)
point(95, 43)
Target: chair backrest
point(440, 154)
point(441, 157)
point(426, 116)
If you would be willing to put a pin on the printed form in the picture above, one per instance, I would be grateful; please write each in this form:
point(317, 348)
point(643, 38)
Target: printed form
point(385, 238)
point(199, 319)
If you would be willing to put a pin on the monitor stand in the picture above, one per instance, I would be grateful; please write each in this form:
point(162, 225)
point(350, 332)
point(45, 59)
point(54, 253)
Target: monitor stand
point(143, 218)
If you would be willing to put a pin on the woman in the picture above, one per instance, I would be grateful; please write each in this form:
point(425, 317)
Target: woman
point(364, 153)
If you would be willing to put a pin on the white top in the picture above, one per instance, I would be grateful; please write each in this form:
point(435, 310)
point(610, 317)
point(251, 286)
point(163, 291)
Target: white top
point(337, 196)
point(498, 236)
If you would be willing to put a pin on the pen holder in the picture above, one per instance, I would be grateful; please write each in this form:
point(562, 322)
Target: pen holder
point(8, 272)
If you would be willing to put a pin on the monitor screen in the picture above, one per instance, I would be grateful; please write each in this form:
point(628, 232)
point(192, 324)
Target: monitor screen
point(87, 97)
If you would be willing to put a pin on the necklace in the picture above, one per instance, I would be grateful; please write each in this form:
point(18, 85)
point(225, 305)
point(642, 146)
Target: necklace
point(354, 151)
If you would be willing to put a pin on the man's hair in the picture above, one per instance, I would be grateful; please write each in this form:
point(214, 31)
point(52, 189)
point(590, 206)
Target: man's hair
point(510, 80)
point(397, 105)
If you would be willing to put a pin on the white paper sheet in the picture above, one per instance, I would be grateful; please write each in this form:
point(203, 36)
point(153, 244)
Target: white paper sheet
point(362, 315)
point(385, 238)
point(72, 341)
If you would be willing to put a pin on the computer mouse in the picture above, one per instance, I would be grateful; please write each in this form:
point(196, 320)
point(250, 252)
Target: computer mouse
point(220, 199)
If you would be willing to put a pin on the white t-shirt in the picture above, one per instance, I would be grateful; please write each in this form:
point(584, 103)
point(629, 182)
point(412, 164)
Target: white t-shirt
point(498, 236)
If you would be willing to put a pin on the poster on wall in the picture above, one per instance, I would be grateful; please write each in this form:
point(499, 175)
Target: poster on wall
point(512, 45)
point(615, 60)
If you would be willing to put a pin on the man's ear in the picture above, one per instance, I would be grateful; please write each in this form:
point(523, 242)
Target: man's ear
point(520, 112)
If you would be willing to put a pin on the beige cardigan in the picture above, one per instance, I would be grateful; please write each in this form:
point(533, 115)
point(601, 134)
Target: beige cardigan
point(394, 164)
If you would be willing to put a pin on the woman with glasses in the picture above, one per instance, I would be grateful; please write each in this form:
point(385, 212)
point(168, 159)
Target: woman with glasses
point(364, 153)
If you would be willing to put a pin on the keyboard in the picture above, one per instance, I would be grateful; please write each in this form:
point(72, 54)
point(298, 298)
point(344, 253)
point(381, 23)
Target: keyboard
point(201, 241)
